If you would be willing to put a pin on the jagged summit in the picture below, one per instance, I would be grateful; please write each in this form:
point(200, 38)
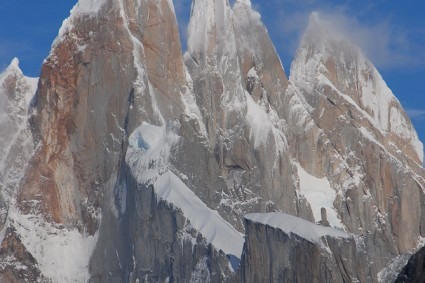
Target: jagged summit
point(14, 66)
point(88, 8)
point(152, 159)
point(11, 74)
point(14, 83)
point(327, 57)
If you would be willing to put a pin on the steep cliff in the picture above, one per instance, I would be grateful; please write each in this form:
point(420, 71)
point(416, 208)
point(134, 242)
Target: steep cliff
point(246, 152)
point(284, 248)
point(136, 153)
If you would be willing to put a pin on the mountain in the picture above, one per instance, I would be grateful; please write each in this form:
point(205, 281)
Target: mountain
point(374, 164)
point(207, 166)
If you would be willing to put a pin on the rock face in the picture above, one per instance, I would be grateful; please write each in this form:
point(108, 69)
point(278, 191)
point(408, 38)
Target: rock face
point(246, 151)
point(284, 248)
point(154, 242)
point(151, 159)
point(414, 271)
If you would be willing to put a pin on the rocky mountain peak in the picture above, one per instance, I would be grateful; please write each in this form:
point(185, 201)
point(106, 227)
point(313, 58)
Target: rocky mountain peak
point(154, 159)
point(15, 86)
point(328, 58)
point(13, 67)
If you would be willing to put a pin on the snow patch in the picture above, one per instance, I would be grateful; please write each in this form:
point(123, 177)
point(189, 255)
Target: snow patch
point(33, 85)
point(208, 222)
point(148, 152)
point(368, 135)
point(295, 225)
point(260, 126)
point(191, 108)
point(14, 64)
point(252, 73)
point(319, 193)
point(62, 255)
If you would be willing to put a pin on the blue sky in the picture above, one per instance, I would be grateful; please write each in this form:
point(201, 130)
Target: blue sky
point(391, 32)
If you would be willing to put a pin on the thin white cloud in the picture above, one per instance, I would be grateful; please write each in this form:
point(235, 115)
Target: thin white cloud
point(417, 114)
point(387, 44)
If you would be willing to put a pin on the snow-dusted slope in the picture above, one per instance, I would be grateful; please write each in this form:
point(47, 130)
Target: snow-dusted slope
point(319, 194)
point(16, 92)
point(62, 255)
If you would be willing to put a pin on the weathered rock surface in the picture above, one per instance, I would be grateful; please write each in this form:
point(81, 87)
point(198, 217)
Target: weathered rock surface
point(152, 241)
point(238, 85)
point(284, 248)
point(151, 159)
point(414, 271)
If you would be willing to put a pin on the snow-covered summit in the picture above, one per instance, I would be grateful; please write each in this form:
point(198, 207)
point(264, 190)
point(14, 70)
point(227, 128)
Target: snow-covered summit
point(14, 65)
point(12, 70)
point(14, 83)
point(81, 8)
point(327, 57)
